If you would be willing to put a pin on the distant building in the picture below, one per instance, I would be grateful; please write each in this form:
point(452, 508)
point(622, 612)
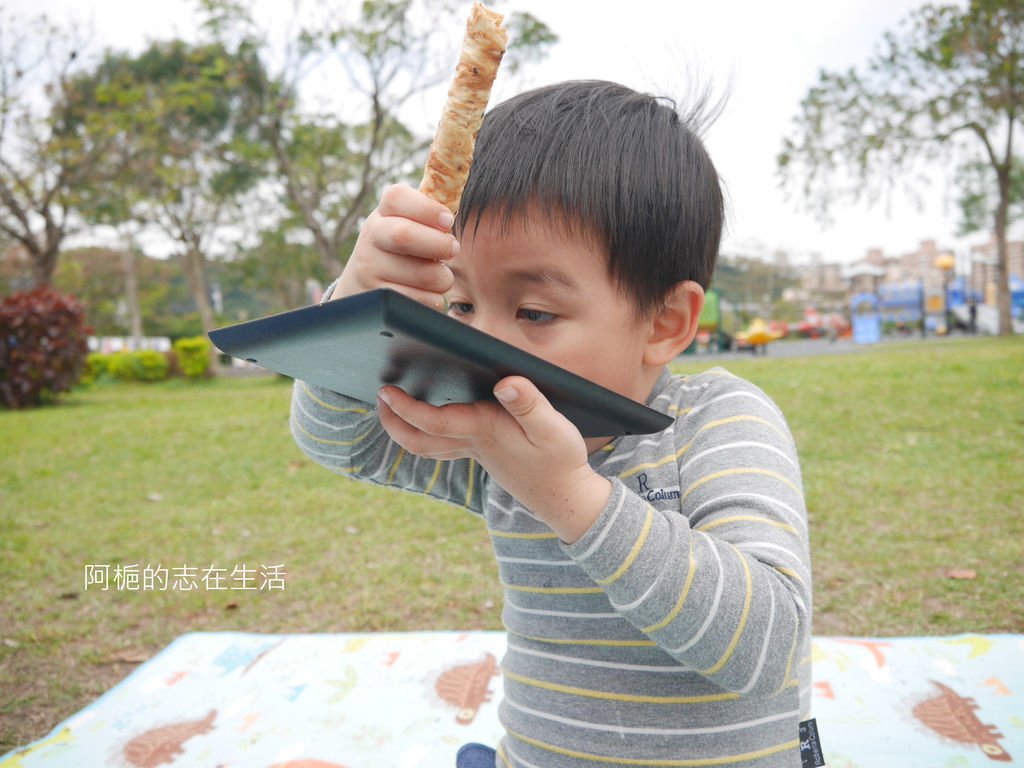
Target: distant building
point(820, 279)
point(919, 267)
point(824, 284)
point(877, 269)
point(864, 276)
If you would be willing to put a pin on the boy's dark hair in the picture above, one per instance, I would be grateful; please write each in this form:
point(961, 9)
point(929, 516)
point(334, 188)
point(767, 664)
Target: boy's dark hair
point(612, 164)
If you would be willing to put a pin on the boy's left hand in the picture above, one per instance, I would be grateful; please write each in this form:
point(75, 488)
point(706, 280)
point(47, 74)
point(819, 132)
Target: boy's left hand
point(526, 446)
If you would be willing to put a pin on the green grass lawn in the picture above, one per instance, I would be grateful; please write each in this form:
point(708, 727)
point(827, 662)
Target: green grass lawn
point(913, 460)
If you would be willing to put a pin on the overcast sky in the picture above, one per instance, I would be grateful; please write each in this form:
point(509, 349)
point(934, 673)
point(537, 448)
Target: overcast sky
point(764, 54)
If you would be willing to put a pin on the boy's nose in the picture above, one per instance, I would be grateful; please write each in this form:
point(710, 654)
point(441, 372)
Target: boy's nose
point(492, 326)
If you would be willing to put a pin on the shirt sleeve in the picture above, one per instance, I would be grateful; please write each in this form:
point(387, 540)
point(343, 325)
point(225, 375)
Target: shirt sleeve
point(345, 436)
point(723, 583)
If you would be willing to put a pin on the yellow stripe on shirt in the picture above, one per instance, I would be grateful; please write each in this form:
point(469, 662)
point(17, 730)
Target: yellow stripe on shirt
point(469, 488)
point(394, 467)
point(744, 615)
point(514, 535)
point(325, 441)
point(792, 655)
point(789, 572)
point(745, 519)
point(668, 763)
point(634, 698)
point(739, 471)
point(501, 754)
point(633, 553)
point(682, 597)
point(433, 479)
point(679, 454)
point(328, 406)
point(593, 643)
point(555, 590)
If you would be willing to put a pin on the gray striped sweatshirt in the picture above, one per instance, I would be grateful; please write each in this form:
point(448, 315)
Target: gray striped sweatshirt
point(676, 631)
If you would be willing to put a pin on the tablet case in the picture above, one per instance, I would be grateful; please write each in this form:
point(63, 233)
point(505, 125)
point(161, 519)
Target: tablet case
point(355, 345)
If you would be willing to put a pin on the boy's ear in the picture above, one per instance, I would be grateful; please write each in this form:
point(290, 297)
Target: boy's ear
point(673, 327)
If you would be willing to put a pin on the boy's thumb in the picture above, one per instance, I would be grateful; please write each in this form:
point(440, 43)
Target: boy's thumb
point(525, 402)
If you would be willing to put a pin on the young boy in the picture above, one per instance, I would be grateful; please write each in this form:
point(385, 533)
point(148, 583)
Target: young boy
point(657, 587)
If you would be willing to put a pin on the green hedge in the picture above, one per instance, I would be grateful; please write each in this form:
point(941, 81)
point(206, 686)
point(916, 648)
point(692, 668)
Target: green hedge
point(97, 366)
point(193, 356)
point(143, 365)
point(190, 358)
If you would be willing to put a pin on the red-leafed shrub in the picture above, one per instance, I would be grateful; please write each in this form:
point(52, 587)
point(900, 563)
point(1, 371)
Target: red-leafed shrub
point(43, 346)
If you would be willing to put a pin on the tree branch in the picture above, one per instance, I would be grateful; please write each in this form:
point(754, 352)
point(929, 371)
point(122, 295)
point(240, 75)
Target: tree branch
point(24, 238)
point(13, 206)
point(347, 223)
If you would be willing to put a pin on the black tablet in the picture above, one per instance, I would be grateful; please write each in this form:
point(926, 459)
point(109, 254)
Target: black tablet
point(355, 345)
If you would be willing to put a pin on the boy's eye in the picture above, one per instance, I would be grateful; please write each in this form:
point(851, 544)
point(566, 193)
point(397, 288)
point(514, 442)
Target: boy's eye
point(459, 308)
point(536, 316)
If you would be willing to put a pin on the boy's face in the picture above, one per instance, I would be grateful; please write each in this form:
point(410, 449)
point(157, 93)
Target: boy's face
point(538, 289)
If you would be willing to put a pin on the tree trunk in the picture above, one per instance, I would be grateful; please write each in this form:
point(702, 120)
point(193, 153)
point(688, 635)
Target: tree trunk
point(1003, 298)
point(44, 262)
point(194, 265)
point(328, 255)
point(131, 294)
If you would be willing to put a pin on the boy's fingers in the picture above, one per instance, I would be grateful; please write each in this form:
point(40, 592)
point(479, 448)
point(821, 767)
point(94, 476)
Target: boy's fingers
point(397, 234)
point(408, 203)
point(450, 421)
point(423, 274)
point(408, 431)
point(535, 414)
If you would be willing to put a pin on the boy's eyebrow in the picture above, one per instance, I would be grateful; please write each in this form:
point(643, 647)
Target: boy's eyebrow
point(543, 276)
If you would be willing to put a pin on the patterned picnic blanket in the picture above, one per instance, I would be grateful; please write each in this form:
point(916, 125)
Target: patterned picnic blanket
point(405, 700)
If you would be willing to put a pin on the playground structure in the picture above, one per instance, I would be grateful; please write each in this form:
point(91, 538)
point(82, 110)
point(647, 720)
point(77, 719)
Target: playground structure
point(928, 306)
point(719, 327)
point(758, 336)
point(716, 327)
point(986, 319)
point(909, 307)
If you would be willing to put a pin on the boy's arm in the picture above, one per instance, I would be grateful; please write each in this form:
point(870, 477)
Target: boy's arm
point(345, 436)
point(724, 587)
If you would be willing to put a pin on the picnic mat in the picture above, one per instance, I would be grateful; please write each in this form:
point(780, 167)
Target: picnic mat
point(404, 700)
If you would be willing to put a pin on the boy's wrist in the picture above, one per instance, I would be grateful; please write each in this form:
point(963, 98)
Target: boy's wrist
point(579, 508)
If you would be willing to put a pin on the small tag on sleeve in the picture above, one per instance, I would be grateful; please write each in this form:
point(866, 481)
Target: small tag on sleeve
point(810, 745)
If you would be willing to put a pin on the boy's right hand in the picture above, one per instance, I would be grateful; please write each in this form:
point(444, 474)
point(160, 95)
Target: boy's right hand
point(403, 245)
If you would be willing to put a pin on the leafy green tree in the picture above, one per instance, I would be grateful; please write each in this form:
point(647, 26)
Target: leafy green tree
point(96, 277)
point(277, 268)
point(949, 85)
point(187, 150)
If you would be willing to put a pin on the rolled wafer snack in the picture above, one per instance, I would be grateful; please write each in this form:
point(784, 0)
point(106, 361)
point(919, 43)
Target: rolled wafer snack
point(451, 153)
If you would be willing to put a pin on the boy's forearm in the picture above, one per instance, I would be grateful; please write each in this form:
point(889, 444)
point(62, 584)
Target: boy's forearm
point(328, 427)
point(345, 436)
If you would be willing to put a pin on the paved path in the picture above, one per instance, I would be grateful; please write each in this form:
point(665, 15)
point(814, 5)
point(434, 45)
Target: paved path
point(816, 347)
